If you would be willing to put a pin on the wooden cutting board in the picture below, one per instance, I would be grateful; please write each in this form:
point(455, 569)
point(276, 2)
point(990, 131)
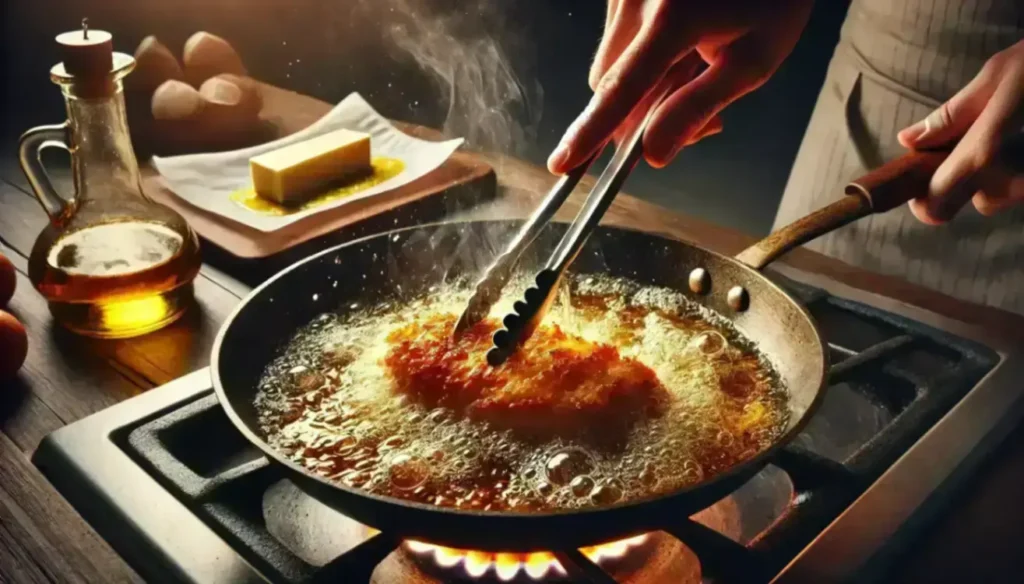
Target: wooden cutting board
point(461, 182)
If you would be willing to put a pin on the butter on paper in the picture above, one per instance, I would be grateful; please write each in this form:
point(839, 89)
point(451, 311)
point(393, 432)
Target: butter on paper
point(208, 180)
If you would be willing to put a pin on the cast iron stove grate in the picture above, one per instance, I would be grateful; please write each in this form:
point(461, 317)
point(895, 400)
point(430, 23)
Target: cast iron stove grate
point(892, 379)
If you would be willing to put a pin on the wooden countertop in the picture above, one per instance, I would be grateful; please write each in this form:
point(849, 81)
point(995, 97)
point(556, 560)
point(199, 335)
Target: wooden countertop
point(67, 377)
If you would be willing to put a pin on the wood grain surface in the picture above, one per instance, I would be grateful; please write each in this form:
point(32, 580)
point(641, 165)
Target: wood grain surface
point(67, 377)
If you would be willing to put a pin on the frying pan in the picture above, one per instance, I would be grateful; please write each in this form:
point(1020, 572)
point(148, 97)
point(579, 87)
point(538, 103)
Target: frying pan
point(406, 263)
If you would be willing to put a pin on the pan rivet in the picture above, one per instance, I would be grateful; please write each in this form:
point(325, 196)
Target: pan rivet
point(700, 281)
point(738, 298)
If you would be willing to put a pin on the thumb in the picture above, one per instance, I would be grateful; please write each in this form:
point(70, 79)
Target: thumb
point(952, 119)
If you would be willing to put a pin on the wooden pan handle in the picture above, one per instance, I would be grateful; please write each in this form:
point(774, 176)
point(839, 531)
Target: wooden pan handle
point(881, 190)
point(898, 181)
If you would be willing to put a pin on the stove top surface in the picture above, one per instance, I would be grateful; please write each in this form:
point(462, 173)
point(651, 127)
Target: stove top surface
point(913, 403)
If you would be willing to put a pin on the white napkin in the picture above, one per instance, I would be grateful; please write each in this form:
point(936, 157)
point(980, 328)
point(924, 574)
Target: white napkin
point(207, 180)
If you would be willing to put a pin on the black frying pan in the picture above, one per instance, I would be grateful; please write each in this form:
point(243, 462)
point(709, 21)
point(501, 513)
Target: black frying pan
point(416, 258)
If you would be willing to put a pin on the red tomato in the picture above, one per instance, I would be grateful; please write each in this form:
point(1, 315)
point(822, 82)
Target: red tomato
point(8, 278)
point(13, 345)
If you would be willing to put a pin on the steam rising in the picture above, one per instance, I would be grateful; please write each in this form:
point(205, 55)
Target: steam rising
point(482, 67)
point(464, 47)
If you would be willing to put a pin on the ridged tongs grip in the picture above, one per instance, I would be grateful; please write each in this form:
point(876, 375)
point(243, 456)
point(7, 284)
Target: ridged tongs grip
point(488, 289)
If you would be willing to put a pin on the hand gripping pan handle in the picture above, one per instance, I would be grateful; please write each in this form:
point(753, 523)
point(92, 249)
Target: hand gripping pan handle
point(880, 190)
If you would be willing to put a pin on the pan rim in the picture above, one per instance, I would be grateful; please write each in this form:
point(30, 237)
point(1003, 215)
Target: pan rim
point(754, 464)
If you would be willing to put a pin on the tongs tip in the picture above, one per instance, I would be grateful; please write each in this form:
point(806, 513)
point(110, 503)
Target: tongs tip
point(525, 317)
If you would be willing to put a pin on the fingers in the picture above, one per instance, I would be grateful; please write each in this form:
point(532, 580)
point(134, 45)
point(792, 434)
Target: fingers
point(621, 26)
point(954, 117)
point(999, 193)
point(993, 190)
point(714, 126)
point(678, 75)
point(932, 212)
point(978, 150)
point(206, 55)
point(684, 114)
point(633, 76)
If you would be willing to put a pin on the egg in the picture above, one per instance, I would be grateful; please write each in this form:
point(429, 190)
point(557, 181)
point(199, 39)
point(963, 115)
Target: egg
point(176, 100)
point(8, 279)
point(154, 64)
point(206, 55)
point(223, 114)
point(13, 345)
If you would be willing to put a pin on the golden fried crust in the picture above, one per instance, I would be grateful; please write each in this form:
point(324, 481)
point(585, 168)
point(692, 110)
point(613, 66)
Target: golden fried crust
point(556, 385)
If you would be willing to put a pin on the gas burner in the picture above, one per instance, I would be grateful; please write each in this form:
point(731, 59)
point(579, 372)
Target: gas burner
point(911, 407)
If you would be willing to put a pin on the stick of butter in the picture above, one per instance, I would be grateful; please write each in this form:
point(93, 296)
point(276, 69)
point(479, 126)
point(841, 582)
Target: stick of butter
point(291, 174)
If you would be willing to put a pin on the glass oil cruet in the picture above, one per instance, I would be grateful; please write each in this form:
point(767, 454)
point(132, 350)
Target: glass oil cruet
point(111, 263)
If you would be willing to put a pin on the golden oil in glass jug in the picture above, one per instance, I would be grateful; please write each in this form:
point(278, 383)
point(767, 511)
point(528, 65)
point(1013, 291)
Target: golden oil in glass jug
point(111, 263)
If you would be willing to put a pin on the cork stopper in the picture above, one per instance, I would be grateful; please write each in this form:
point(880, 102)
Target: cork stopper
point(87, 54)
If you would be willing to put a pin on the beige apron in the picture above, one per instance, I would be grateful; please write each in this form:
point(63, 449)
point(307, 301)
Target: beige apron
point(896, 61)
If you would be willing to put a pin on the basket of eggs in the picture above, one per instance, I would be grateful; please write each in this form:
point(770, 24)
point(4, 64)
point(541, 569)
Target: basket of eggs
point(13, 339)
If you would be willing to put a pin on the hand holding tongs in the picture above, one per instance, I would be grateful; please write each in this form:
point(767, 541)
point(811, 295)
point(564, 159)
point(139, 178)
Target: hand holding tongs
point(529, 312)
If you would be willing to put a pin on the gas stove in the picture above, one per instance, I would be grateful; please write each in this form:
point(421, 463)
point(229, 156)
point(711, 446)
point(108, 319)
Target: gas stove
point(914, 403)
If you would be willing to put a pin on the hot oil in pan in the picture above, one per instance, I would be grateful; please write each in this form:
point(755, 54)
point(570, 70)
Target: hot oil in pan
point(338, 402)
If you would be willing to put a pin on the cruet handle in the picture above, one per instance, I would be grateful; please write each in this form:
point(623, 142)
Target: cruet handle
point(30, 146)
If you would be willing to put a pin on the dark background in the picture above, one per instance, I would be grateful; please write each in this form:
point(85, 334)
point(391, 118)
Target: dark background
point(329, 48)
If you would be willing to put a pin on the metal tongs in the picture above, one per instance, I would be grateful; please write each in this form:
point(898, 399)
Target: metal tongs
point(528, 313)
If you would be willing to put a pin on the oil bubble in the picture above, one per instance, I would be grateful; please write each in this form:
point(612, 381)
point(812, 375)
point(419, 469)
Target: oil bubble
point(355, 478)
point(359, 454)
point(709, 343)
point(692, 471)
point(406, 472)
point(581, 486)
point(607, 493)
point(391, 443)
point(544, 489)
point(347, 444)
point(566, 464)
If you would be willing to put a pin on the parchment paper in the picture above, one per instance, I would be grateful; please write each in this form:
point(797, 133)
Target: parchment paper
point(207, 180)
